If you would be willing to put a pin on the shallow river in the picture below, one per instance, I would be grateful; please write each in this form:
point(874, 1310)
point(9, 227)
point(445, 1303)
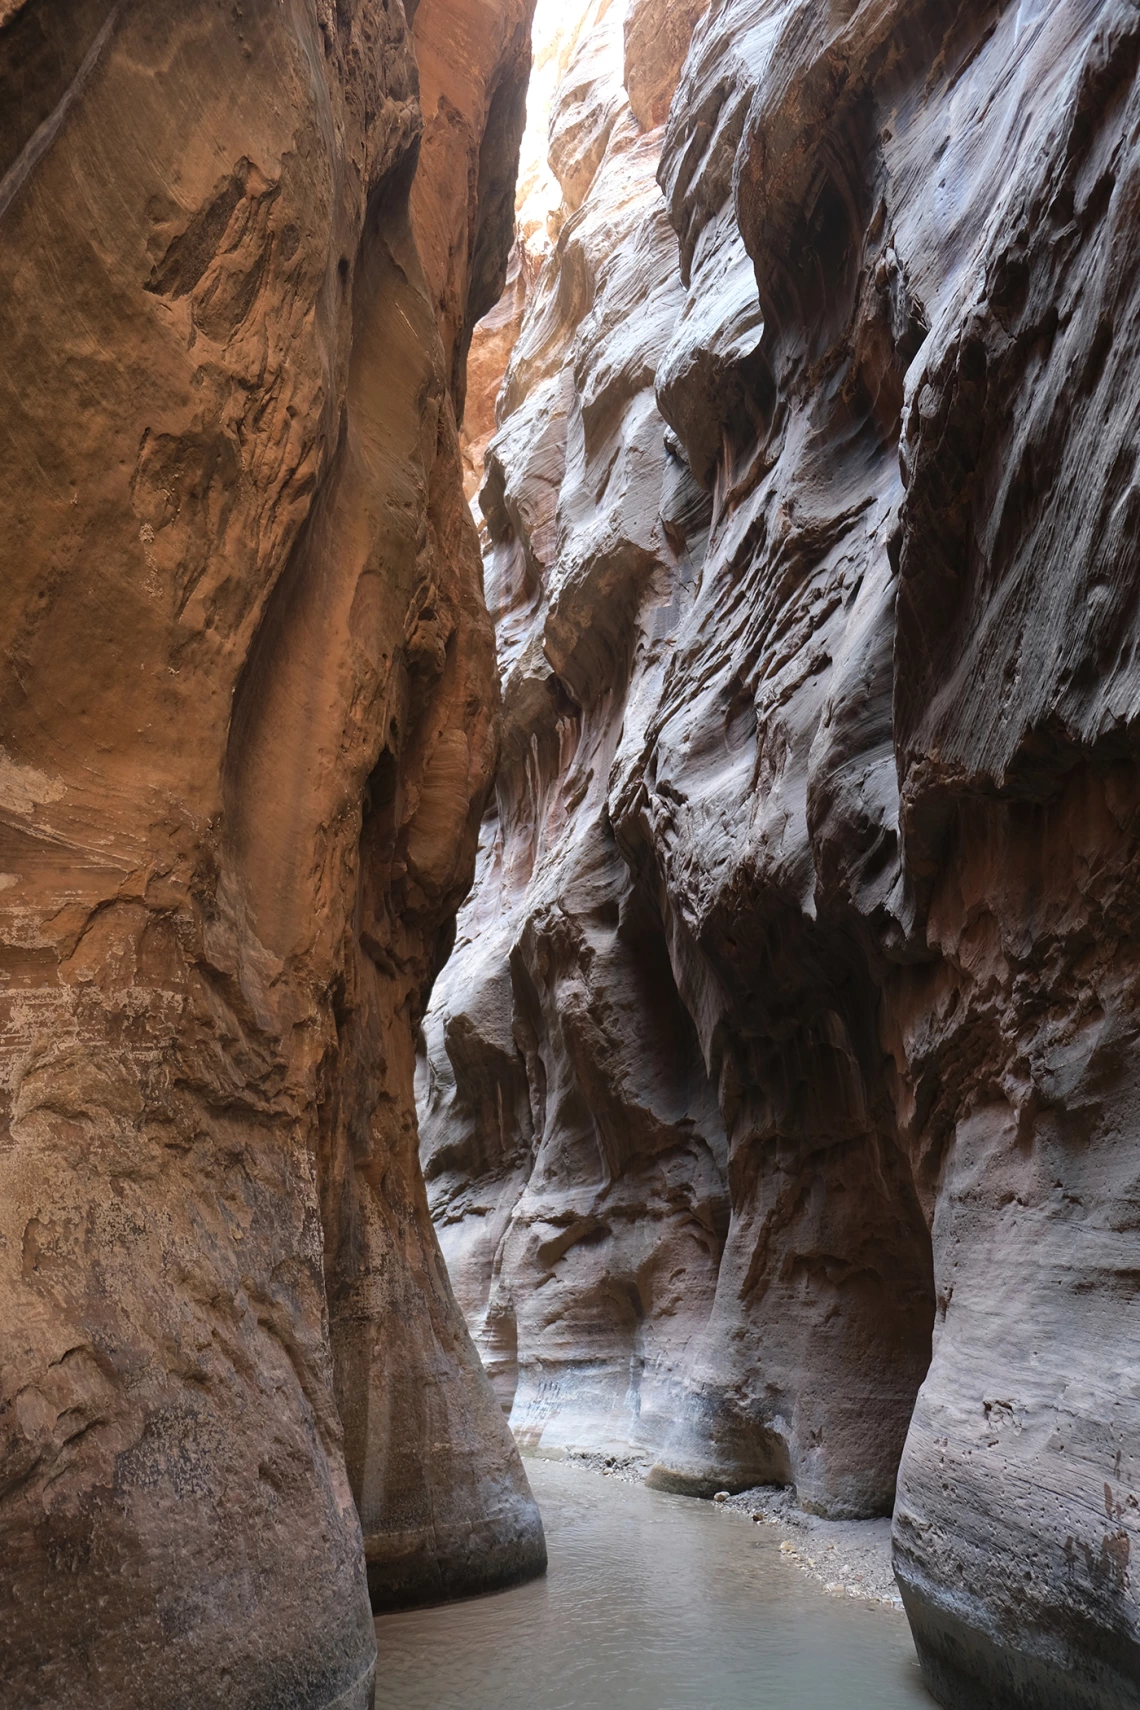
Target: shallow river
point(651, 1602)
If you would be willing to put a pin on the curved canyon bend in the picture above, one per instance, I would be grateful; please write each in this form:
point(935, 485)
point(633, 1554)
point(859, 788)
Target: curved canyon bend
point(569, 854)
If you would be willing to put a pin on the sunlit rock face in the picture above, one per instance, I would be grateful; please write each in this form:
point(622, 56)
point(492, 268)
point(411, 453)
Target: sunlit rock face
point(249, 721)
point(792, 1015)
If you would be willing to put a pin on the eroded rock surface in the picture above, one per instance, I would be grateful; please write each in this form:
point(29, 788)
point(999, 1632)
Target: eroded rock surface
point(792, 1016)
point(573, 1075)
point(249, 719)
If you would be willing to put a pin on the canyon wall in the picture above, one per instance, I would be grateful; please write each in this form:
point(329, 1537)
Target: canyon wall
point(777, 1102)
point(249, 719)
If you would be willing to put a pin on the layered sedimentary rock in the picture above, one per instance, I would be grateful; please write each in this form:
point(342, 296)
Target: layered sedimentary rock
point(249, 718)
point(791, 1018)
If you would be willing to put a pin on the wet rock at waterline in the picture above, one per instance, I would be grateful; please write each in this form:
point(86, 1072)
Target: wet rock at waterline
point(777, 1102)
point(249, 721)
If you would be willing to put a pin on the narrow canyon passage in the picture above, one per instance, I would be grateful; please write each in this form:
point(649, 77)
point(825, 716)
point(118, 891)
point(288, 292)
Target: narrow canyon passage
point(569, 852)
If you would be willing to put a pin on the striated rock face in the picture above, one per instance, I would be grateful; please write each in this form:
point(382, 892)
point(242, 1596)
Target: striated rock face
point(791, 1018)
point(563, 1067)
point(248, 724)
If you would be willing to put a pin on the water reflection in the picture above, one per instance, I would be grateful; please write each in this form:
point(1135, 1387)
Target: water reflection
point(652, 1602)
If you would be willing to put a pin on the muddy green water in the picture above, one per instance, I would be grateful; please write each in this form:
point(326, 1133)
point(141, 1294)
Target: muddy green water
point(651, 1602)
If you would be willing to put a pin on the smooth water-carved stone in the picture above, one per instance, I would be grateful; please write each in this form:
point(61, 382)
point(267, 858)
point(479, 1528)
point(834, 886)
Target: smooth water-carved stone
point(812, 550)
point(248, 726)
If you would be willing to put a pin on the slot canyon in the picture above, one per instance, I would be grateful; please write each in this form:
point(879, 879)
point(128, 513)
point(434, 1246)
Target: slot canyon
point(570, 821)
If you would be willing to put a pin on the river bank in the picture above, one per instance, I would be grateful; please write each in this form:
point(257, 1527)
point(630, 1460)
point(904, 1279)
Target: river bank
point(848, 1557)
